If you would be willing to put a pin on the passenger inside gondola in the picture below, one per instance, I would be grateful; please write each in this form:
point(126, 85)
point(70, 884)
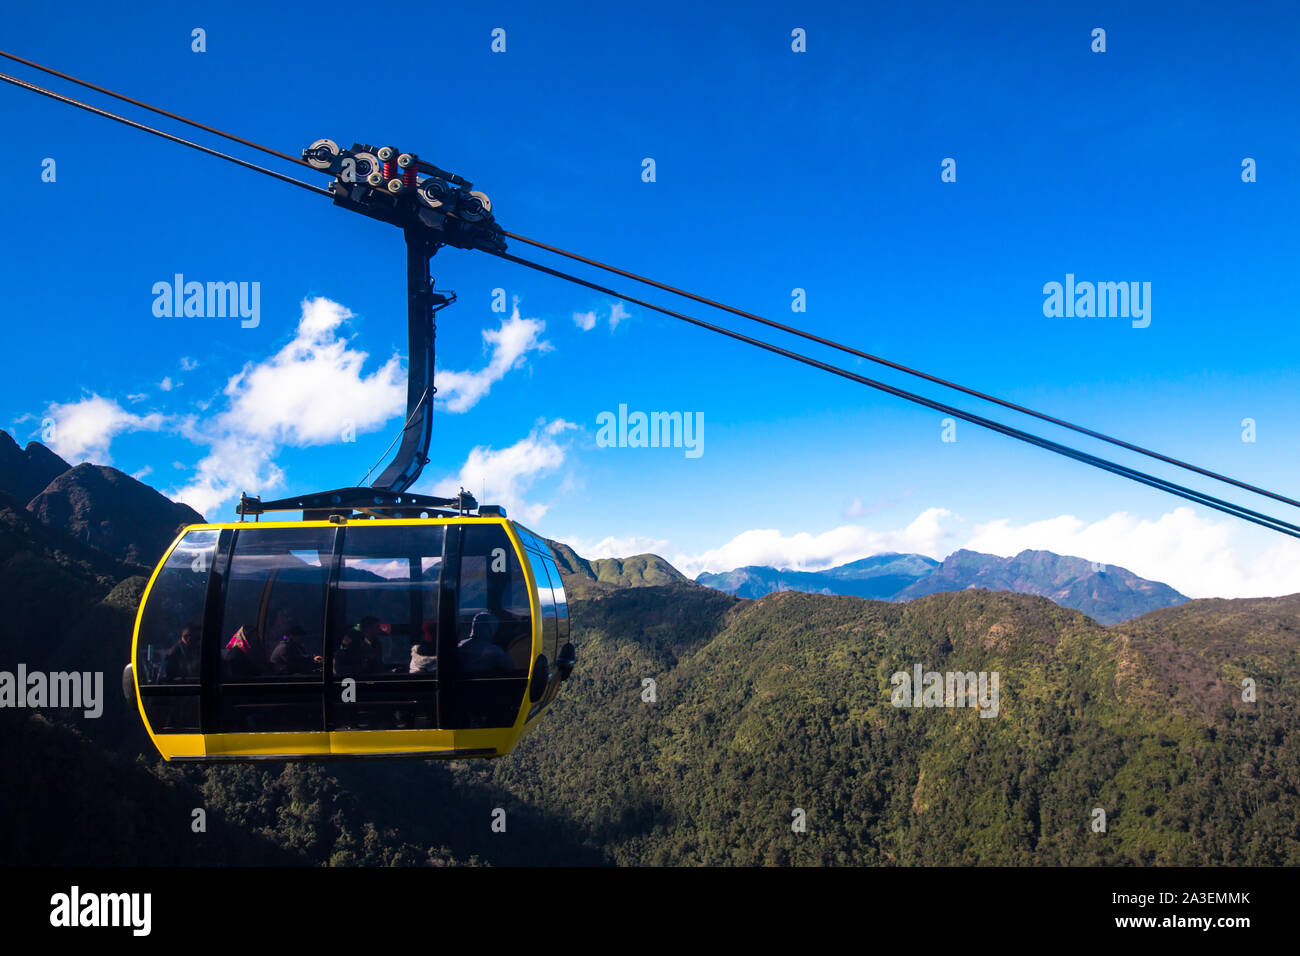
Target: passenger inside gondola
point(181, 662)
point(479, 652)
point(290, 657)
point(372, 644)
point(347, 659)
point(271, 635)
point(239, 659)
point(361, 649)
point(424, 653)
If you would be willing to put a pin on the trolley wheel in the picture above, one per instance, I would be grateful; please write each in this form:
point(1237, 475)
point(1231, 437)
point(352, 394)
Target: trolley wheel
point(366, 164)
point(376, 178)
point(320, 153)
point(474, 207)
point(434, 191)
point(405, 160)
point(386, 153)
point(394, 185)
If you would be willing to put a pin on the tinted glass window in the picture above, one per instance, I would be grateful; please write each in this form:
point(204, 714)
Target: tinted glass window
point(273, 625)
point(171, 635)
point(172, 625)
point(387, 613)
point(492, 583)
point(529, 539)
point(561, 605)
point(546, 596)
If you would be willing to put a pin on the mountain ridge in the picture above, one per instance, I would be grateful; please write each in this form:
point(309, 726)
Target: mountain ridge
point(1108, 593)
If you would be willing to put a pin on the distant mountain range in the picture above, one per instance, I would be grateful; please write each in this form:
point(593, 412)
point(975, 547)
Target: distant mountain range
point(880, 577)
point(1106, 593)
point(114, 513)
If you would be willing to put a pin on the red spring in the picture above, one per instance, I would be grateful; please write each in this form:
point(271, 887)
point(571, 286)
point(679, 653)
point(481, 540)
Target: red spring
point(408, 176)
point(390, 169)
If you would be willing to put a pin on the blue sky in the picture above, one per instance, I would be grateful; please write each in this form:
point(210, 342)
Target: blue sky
point(775, 170)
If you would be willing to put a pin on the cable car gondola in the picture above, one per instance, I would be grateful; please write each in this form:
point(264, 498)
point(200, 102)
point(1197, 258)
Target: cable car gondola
point(349, 637)
point(383, 623)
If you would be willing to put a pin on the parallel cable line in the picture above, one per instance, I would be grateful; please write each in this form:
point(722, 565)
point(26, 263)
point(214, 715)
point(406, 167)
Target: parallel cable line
point(155, 109)
point(984, 396)
point(1218, 504)
point(157, 132)
point(1190, 494)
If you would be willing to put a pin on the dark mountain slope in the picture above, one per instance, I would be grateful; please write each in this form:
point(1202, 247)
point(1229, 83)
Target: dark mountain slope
point(71, 803)
point(24, 473)
point(113, 512)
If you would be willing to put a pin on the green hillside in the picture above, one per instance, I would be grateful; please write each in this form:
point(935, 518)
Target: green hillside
point(759, 708)
point(588, 578)
point(788, 706)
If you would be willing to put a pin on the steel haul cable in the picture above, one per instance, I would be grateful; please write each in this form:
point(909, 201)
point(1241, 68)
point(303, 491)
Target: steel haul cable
point(1218, 504)
point(155, 109)
point(1210, 501)
point(984, 396)
point(157, 132)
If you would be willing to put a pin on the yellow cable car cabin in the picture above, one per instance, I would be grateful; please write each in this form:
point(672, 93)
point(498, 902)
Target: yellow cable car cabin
point(399, 637)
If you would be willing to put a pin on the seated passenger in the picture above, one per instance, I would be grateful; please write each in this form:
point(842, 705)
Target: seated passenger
point(347, 659)
point(479, 653)
point(424, 655)
point(238, 658)
point(261, 650)
point(181, 662)
point(290, 657)
point(371, 645)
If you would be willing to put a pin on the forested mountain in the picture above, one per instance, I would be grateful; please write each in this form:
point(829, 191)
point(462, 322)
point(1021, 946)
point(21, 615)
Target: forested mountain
point(696, 725)
point(112, 511)
point(584, 578)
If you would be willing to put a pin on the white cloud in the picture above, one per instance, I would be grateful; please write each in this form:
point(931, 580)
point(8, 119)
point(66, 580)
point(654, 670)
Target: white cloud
point(616, 547)
point(1198, 556)
point(309, 391)
point(312, 391)
point(83, 430)
point(617, 314)
point(808, 552)
point(588, 320)
point(143, 473)
point(509, 347)
point(234, 464)
point(511, 472)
